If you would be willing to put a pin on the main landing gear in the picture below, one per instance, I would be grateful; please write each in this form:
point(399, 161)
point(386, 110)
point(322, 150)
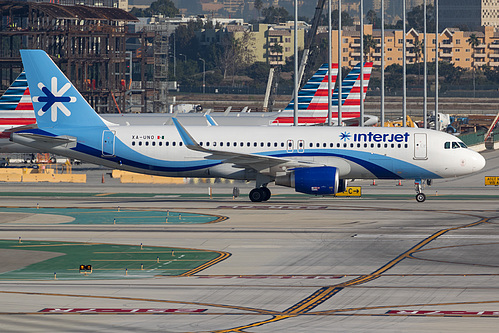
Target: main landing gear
point(260, 194)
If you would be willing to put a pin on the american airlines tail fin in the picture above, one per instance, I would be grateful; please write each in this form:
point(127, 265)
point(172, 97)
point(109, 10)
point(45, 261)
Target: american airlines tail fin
point(351, 86)
point(56, 101)
point(314, 93)
point(15, 104)
point(313, 102)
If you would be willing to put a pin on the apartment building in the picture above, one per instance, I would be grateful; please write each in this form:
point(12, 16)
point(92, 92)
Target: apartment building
point(268, 43)
point(453, 46)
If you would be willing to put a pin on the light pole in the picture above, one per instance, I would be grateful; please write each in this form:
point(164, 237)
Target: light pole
point(204, 74)
point(185, 57)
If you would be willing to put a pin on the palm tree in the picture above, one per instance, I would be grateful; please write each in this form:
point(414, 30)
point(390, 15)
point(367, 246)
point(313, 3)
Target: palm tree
point(474, 42)
point(418, 50)
point(369, 43)
point(258, 4)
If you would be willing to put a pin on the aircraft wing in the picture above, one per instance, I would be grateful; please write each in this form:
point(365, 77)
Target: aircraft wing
point(254, 161)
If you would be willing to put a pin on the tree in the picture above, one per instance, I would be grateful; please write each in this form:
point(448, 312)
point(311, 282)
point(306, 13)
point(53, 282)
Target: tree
point(258, 4)
point(369, 43)
point(418, 50)
point(275, 48)
point(393, 78)
point(373, 19)
point(474, 42)
point(415, 18)
point(346, 19)
point(163, 7)
point(236, 54)
point(275, 15)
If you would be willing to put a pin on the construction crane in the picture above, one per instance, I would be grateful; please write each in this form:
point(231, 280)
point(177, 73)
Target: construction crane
point(274, 75)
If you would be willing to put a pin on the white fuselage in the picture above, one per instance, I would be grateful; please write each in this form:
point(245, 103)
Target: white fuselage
point(367, 153)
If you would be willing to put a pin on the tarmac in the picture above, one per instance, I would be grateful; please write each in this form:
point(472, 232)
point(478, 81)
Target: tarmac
point(297, 263)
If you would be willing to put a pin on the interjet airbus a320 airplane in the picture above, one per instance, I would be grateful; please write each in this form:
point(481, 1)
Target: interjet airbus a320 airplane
point(313, 160)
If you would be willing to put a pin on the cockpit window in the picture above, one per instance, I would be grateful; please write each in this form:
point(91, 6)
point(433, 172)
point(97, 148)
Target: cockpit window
point(447, 145)
point(463, 145)
point(455, 145)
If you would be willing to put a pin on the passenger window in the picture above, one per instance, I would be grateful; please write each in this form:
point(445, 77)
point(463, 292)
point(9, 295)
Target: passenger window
point(311, 144)
point(221, 144)
point(167, 143)
point(338, 145)
point(268, 144)
point(331, 145)
point(275, 144)
point(174, 143)
point(241, 144)
point(372, 145)
point(282, 144)
point(154, 143)
point(324, 145)
point(365, 145)
point(160, 143)
point(207, 144)
point(254, 144)
point(133, 143)
point(386, 145)
point(147, 143)
point(358, 145)
point(180, 143)
point(317, 144)
point(261, 144)
point(214, 144)
point(344, 145)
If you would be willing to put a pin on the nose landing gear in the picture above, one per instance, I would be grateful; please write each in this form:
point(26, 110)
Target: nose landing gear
point(420, 196)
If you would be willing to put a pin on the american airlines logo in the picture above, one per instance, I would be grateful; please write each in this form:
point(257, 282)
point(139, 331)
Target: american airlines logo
point(53, 99)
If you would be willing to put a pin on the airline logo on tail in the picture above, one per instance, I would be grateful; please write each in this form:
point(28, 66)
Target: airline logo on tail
point(313, 109)
point(53, 99)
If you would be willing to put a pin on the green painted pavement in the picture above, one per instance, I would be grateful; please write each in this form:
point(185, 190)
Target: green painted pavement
point(108, 261)
point(122, 216)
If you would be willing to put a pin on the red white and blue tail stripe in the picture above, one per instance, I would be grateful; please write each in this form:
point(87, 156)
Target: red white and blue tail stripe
point(313, 102)
point(16, 108)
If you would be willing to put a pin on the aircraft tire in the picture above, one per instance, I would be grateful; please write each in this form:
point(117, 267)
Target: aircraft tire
point(266, 193)
point(420, 197)
point(256, 195)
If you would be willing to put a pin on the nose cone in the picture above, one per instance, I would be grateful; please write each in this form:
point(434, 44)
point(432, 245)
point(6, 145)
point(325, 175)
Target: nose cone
point(477, 162)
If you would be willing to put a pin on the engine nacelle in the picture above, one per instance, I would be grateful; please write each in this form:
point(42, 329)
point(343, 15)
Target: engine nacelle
point(316, 181)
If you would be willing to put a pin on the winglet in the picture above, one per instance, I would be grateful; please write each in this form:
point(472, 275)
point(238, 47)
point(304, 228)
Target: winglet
point(188, 140)
point(210, 120)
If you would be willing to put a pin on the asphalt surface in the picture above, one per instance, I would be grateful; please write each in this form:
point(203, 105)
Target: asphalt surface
point(381, 262)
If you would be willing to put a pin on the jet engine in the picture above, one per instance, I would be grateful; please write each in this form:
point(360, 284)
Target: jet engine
point(316, 180)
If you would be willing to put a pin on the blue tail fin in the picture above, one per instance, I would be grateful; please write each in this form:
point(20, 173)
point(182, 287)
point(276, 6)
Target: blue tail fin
point(56, 101)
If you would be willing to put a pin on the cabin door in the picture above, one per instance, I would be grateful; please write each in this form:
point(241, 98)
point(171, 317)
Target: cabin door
point(420, 145)
point(108, 138)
